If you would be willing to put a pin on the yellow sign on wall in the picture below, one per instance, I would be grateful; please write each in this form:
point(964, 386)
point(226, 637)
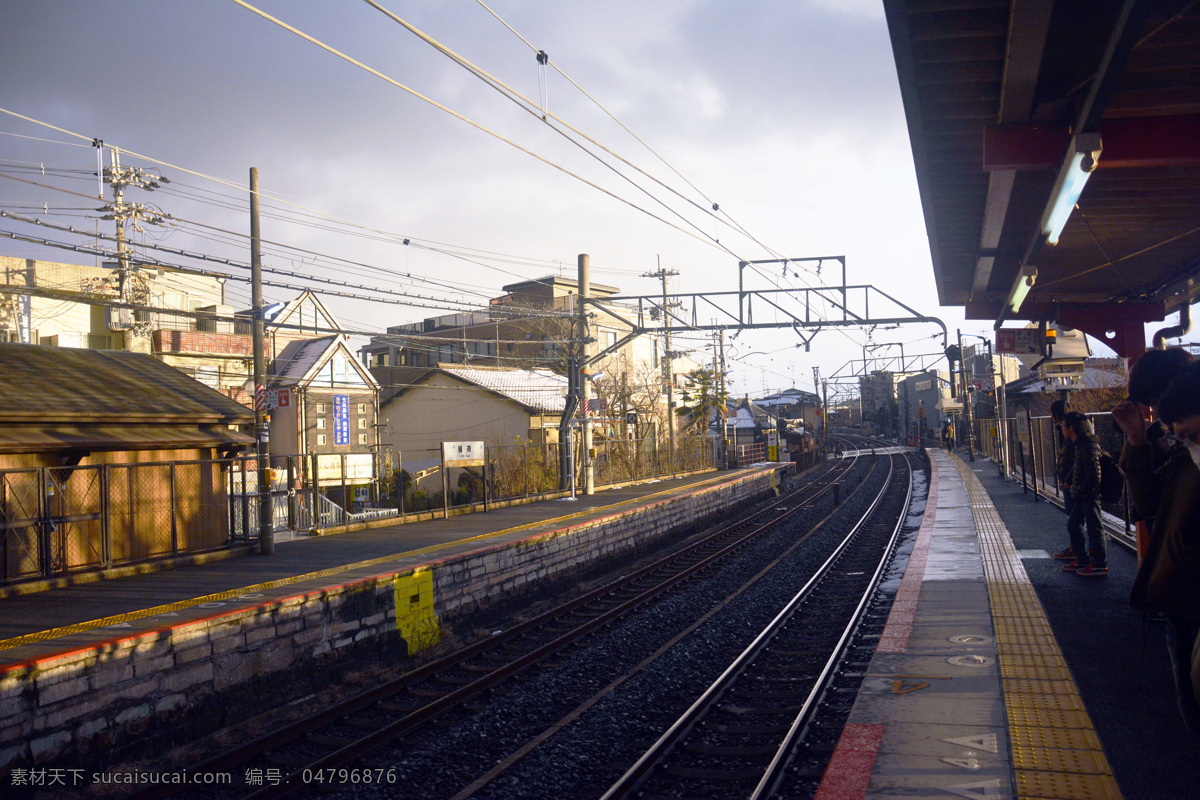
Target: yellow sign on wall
point(416, 619)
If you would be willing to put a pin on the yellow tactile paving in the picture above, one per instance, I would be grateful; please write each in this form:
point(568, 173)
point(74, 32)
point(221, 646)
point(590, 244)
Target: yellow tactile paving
point(1025, 671)
point(1054, 738)
point(1066, 786)
point(1027, 686)
point(1055, 759)
point(1056, 753)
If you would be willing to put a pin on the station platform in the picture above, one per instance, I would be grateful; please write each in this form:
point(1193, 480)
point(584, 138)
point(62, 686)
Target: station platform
point(999, 675)
point(39, 624)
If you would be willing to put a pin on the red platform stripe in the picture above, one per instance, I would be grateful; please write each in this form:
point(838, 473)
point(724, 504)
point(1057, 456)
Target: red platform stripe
point(849, 771)
point(894, 638)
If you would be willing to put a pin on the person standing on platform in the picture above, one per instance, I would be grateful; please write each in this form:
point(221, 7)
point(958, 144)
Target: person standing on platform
point(1091, 557)
point(1063, 468)
point(1168, 579)
point(1148, 381)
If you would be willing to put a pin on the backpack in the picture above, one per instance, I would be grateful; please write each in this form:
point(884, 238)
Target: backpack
point(1112, 479)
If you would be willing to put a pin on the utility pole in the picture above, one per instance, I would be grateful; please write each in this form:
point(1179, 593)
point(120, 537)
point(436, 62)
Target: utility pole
point(266, 526)
point(821, 405)
point(725, 399)
point(668, 375)
point(585, 389)
point(129, 290)
point(967, 396)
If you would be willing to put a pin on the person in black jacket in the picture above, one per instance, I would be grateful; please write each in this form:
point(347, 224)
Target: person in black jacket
point(1168, 578)
point(1063, 467)
point(1090, 559)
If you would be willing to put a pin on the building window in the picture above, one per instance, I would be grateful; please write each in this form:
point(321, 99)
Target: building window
point(362, 408)
point(321, 439)
point(320, 408)
point(321, 423)
point(362, 422)
point(362, 438)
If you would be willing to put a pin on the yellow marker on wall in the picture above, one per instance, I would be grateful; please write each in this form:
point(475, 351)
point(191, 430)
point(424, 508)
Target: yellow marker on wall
point(416, 619)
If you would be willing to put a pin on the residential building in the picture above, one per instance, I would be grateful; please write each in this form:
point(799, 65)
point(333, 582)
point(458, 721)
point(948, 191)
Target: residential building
point(926, 402)
point(332, 400)
point(531, 327)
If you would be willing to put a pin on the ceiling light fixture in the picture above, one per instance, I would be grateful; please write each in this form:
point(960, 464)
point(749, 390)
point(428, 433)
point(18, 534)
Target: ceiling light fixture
point(1081, 160)
point(1020, 288)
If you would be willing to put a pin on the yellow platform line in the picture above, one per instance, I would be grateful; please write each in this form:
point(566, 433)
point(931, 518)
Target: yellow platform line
point(1056, 753)
point(230, 594)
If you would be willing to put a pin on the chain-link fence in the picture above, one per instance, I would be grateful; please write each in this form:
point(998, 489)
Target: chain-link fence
point(58, 520)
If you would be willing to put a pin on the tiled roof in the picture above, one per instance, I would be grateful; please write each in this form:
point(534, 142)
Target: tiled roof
point(541, 390)
point(60, 383)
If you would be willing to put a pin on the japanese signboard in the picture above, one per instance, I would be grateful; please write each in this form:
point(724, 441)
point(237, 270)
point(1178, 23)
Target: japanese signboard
point(463, 454)
point(1019, 341)
point(359, 468)
point(341, 419)
point(270, 399)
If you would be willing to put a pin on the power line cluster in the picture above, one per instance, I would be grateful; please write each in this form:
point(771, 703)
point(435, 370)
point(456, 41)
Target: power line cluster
point(687, 210)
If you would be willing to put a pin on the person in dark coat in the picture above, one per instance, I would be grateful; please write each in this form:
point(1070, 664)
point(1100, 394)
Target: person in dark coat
point(1062, 469)
point(1091, 558)
point(1149, 379)
point(1168, 579)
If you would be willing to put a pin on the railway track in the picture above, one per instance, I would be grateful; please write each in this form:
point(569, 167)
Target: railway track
point(739, 737)
point(346, 734)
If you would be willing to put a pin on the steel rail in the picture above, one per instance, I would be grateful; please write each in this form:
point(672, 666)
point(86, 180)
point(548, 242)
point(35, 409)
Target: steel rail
point(633, 779)
point(758, 522)
point(774, 773)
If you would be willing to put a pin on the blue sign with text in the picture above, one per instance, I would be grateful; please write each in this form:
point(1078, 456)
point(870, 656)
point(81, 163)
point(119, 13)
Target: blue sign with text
point(341, 419)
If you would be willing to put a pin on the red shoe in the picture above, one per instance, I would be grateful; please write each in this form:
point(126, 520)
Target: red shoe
point(1092, 572)
point(1074, 566)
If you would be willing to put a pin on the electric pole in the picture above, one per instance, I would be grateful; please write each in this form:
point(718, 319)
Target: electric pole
point(129, 289)
point(668, 375)
point(967, 396)
point(585, 389)
point(266, 526)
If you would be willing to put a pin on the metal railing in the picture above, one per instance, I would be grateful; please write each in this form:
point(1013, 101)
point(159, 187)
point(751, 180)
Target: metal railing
point(1026, 450)
point(55, 521)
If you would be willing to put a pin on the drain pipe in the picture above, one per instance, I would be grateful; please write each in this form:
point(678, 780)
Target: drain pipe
point(1175, 331)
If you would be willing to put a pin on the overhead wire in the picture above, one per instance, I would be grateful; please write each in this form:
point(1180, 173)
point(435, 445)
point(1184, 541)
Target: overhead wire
point(276, 196)
point(529, 106)
point(715, 206)
point(461, 117)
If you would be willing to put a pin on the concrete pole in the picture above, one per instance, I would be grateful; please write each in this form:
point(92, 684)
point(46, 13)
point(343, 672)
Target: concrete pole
point(266, 526)
point(669, 376)
point(967, 397)
point(585, 388)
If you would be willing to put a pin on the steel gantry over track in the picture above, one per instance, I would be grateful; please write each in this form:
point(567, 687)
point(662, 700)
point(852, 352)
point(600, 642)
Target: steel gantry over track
point(804, 309)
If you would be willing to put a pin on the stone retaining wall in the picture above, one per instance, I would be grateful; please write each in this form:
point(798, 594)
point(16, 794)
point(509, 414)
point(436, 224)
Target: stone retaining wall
point(68, 707)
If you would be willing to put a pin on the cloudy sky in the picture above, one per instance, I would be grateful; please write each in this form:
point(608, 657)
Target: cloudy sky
point(785, 113)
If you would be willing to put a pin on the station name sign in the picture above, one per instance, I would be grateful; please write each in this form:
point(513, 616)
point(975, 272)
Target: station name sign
point(463, 454)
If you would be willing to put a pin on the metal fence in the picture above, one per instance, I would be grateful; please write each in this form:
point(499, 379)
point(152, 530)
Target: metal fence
point(1027, 449)
point(60, 520)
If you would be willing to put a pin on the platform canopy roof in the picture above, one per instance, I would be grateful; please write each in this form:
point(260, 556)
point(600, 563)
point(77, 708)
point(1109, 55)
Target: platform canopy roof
point(998, 94)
